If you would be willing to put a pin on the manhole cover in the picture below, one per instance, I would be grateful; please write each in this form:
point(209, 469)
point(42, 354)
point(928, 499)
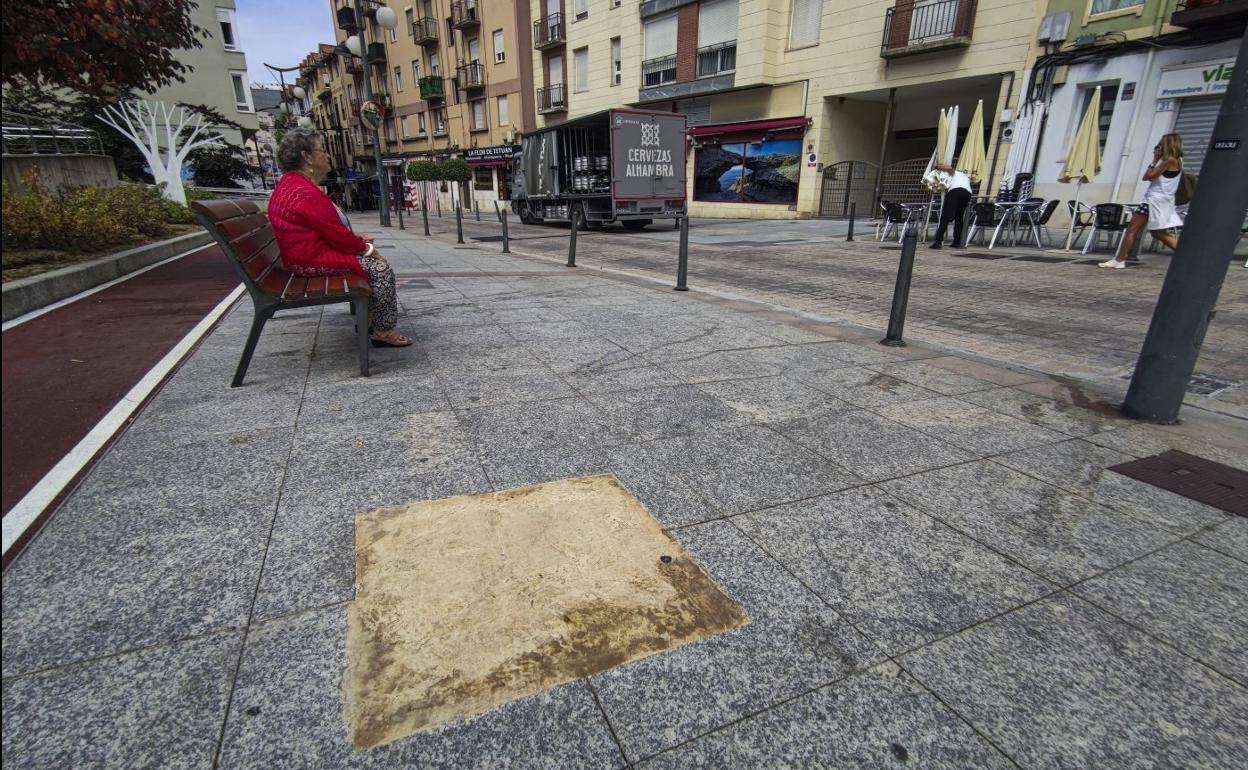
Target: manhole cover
point(1196, 478)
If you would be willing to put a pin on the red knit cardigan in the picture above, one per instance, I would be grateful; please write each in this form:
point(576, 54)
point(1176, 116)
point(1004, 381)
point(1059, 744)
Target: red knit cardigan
point(308, 230)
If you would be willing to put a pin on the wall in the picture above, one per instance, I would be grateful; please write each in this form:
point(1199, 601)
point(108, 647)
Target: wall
point(594, 32)
point(61, 171)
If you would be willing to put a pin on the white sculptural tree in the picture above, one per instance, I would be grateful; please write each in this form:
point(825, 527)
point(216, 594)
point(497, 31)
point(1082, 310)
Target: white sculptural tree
point(141, 122)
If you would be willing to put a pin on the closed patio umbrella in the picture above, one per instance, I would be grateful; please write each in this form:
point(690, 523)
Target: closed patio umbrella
point(974, 158)
point(1083, 162)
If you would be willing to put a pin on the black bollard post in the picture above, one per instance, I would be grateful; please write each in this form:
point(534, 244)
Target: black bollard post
point(506, 237)
point(682, 262)
point(438, 202)
point(476, 207)
point(497, 212)
point(572, 243)
point(852, 206)
point(459, 223)
point(901, 293)
point(402, 205)
point(424, 214)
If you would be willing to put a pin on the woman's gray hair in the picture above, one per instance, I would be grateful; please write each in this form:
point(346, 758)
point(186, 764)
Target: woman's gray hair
point(295, 142)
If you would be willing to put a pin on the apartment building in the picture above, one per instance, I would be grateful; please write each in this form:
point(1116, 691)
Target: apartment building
point(453, 79)
point(796, 108)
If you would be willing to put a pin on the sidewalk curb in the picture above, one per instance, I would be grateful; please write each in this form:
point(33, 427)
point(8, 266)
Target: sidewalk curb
point(27, 294)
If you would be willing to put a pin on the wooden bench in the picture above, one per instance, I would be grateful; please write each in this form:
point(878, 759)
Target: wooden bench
point(243, 232)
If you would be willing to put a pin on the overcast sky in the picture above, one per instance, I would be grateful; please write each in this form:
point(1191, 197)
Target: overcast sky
point(281, 33)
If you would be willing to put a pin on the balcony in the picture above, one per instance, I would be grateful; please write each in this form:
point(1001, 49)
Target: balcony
point(355, 64)
point(553, 98)
point(346, 19)
point(1206, 13)
point(432, 88)
point(425, 31)
point(921, 26)
point(370, 7)
point(472, 76)
point(324, 93)
point(464, 14)
point(376, 53)
point(657, 72)
point(717, 59)
point(548, 32)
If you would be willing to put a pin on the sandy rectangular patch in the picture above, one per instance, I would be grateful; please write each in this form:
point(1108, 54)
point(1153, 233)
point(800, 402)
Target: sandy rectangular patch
point(466, 603)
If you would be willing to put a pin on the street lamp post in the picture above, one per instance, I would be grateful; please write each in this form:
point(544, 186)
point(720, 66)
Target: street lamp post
point(388, 20)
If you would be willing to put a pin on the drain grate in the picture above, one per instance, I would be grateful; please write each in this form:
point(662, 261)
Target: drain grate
point(1196, 478)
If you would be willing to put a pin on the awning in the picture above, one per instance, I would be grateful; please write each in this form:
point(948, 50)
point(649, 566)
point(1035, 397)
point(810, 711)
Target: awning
point(487, 163)
point(751, 127)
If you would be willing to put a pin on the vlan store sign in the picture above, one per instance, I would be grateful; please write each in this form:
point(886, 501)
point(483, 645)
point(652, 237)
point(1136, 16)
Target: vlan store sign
point(1202, 80)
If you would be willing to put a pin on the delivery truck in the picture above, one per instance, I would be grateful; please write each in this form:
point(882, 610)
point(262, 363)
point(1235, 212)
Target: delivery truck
point(625, 166)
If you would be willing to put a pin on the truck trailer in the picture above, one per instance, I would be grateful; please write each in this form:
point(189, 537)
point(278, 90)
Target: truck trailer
point(625, 166)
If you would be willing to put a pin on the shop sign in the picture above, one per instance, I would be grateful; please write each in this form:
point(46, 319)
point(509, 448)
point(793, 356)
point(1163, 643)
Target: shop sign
point(1201, 80)
point(494, 153)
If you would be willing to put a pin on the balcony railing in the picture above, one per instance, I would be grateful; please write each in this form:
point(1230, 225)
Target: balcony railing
point(552, 98)
point(714, 59)
point(355, 64)
point(472, 76)
point(376, 53)
point(548, 31)
point(660, 71)
point(346, 19)
point(1203, 13)
point(919, 26)
point(432, 88)
point(464, 14)
point(425, 31)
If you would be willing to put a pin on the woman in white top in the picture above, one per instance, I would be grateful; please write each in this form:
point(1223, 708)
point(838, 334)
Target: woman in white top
point(1157, 211)
point(957, 196)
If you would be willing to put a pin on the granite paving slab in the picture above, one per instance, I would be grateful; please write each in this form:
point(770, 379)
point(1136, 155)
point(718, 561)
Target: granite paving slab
point(815, 356)
point(751, 468)
point(455, 362)
point(551, 330)
point(864, 387)
point(971, 427)
point(900, 576)
point(1045, 412)
point(1060, 683)
point(1062, 536)
point(880, 718)
point(1230, 537)
point(287, 711)
point(720, 365)
point(465, 338)
point(619, 378)
point(583, 355)
point(670, 411)
point(934, 378)
point(1146, 440)
point(370, 399)
point(773, 399)
point(1191, 596)
point(972, 368)
point(870, 446)
point(714, 339)
point(156, 708)
point(514, 428)
point(504, 385)
point(345, 451)
point(793, 643)
point(1083, 468)
point(183, 415)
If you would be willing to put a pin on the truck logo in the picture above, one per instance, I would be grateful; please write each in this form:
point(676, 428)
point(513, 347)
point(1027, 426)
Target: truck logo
point(650, 135)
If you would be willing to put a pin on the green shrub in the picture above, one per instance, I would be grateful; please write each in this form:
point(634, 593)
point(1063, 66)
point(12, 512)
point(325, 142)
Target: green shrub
point(423, 171)
point(175, 213)
point(137, 208)
point(456, 170)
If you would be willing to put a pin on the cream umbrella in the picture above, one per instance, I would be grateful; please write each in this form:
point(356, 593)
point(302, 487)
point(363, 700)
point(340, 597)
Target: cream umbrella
point(974, 158)
point(1083, 162)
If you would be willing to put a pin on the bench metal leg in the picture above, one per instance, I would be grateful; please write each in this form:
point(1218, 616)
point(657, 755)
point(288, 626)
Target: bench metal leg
point(359, 309)
point(257, 325)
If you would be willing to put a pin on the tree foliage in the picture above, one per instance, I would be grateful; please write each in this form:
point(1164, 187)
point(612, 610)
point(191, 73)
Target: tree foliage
point(423, 171)
point(456, 170)
point(219, 165)
point(97, 47)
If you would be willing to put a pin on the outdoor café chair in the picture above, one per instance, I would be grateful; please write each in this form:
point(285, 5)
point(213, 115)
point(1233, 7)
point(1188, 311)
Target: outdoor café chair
point(1106, 220)
point(1079, 222)
point(895, 214)
point(985, 214)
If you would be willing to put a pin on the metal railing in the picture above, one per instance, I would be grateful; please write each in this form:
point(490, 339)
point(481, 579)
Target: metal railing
point(425, 30)
point(551, 98)
point(927, 21)
point(464, 14)
point(657, 72)
point(472, 75)
point(548, 30)
point(714, 59)
point(29, 135)
point(376, 53)
point(432, 87)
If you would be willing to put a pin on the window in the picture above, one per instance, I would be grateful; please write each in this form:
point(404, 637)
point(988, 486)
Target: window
point(582, 9)
point(409, 18)
point(1109, 98)
point(581, 60)
point(420, 123)
point(450, 32)
point(242, 94)
point(1109, 6)
point(504, 117)
point(416, 71)
point(474, 51)
point(433, 65)
point(479, 121)
point(403, 127)
point(617, 64)
point(804, 23)
point(350, 93)
point(500, 52)
point(483, 179)
point(439, 121)
point(398, 78)
point(394, 35)
point(717, 37)
point(390, 130)
point(728, 172)
point(659, 64)
point(615, 3)
point(225, 18)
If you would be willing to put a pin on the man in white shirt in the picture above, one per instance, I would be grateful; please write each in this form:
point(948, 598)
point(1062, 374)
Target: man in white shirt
point(957, 197)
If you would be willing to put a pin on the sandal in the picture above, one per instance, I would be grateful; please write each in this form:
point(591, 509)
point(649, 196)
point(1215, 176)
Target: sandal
point(398, 342)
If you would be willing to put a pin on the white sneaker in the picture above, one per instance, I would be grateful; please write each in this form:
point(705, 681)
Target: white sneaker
point(1113, 264)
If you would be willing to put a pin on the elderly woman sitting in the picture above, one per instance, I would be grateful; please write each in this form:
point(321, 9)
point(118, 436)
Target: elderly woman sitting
point(315, 239)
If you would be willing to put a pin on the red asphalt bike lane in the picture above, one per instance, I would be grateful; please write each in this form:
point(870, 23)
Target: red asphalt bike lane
point(65, 370)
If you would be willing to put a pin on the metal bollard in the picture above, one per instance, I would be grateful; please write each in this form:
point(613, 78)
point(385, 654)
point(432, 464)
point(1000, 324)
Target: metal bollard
point(682, 262)
point(901, 292)
point(459, 223)
point(424, 214)
point(506, 237)
point(852, 206)
point(572, 244)
point(476, 206)
point(402, 205)
point(438, 201)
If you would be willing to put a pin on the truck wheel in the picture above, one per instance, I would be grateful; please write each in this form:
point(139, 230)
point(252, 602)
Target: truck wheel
point(526, 216)
point(576, 213)
point(634, 224)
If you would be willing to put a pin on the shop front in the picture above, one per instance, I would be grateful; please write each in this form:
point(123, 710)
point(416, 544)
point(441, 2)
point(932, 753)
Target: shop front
point(491, 172)
point(754, 162)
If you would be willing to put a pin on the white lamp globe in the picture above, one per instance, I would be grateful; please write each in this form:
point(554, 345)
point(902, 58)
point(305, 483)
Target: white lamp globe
point(298, 92)
point(353, 45)
point(387, 18)
point(305, 122)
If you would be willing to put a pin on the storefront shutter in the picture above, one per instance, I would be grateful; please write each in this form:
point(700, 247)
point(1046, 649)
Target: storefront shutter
point(1195, 125)
point(717, 22)
point(804, 29)
point(661, 37)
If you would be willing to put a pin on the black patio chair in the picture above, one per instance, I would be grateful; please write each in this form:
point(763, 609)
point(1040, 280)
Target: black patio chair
point(1107, 219)
point(985, 214)
point(895, 214)
point(1079, 222)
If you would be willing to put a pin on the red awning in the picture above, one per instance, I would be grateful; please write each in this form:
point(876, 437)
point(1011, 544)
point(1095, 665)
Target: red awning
point(750, 127)
point(487, 163)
